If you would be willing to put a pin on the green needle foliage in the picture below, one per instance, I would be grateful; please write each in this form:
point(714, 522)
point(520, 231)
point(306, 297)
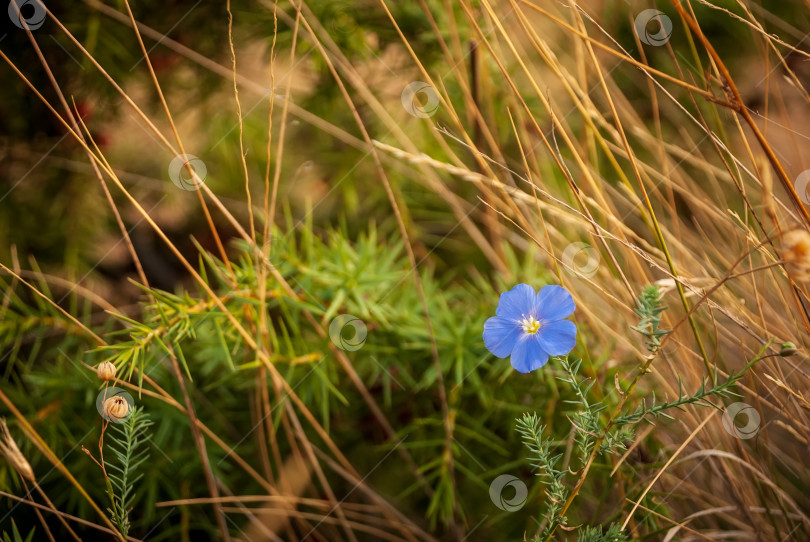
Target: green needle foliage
point(645, 412)
point(649, 308)
point(16, 536)
point(128, 443)
point(545, 461)
point(614, 533)
point(370, 278)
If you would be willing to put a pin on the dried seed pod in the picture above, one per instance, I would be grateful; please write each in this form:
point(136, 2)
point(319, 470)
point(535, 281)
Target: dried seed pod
point(106, 371)
point(788, 349)
point(116, 408)
point(796, 252)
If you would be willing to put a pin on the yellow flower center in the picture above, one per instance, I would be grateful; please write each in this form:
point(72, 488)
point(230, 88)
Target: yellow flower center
point(530, 325)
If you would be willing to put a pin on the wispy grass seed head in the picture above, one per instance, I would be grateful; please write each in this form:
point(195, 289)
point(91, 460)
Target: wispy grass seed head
point(10, 450)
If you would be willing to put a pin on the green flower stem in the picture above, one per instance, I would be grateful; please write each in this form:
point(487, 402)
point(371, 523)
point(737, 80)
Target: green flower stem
point(47, 452)
point(614, 417)
point(642, 371)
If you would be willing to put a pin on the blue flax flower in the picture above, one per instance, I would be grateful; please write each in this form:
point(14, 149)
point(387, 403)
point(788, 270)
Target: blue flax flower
point(529, 327)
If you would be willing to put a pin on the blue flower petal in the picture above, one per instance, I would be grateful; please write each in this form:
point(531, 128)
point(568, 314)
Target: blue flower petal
point(528, 355)
point(557, 338)
point(554, 303)
point(516, 302)
point(500, 335)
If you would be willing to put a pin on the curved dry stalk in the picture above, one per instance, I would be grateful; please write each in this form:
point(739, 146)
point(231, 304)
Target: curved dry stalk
point(74, 115)
point(412, 258)
point(664, 468)
point(51, 302)
point(802, 515)
point(458, 205)
point(43, 447)
point(63, 516)
point(240, 121)
point(738, 105)
point(240, 329)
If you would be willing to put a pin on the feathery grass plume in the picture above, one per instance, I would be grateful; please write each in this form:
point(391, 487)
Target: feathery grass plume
point(12, 453)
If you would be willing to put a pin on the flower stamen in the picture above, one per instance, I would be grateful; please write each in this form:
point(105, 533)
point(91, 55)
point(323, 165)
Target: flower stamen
point(530, 325)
